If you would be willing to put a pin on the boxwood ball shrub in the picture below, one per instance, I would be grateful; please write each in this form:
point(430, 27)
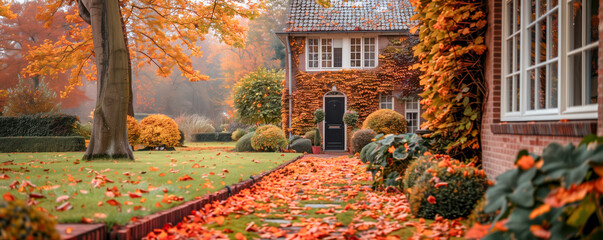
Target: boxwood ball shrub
point(133, 130)
point(361, 138)
point(244, 143)
point(302, 145)
point(237, 134)
point(449, 188)
point(158, 130)
point(385, 121)
point(268, 138)
point(20, 221)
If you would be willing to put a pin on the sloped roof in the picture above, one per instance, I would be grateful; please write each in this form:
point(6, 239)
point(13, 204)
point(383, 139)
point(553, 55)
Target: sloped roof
point(350, 15)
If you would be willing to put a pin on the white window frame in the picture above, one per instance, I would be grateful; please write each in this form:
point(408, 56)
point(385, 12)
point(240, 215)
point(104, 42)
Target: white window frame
point(346, 53)
point(563, 110)
point(417, 110)
point(390, 101)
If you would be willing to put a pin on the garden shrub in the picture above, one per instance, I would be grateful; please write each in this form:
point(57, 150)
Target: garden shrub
point(38, 125)
point(350, 118)
point(26, 99)
point(268, 138)
point(133, 130)
point(391, 157)
point(191, 124)
point(385, 121)
point(204, 137)
point(158, 130)
point(449, 189)
point(478, 215)
point(244, 143)
point(417, 168)
point(311, 135)
point(182, 138)
point(294, 138)
point(557, 194)
point(43, 144)
point(84, 130)
point(302, 145)
point(238, 134)
point(361, 138)
point(20, 221)
point(224, 137)
point(366, 152)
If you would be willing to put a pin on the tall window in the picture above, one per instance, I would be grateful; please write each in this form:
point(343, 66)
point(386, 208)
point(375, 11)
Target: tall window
point(550, 62)
point(412, 114)
point(339, 53)
point(356, 52)
point(369, 52)
point(313, 53)
point(386, 102)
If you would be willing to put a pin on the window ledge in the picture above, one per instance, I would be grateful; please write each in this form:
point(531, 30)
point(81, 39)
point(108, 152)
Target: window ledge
point(567, 129)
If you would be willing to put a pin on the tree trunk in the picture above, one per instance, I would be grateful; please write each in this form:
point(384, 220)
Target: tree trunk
point(109, 137)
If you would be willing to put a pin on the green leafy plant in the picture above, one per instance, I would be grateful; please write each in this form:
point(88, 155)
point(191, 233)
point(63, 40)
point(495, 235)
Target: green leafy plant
point(20, 221)
point(257, 97)
point(449, 188)
point(557, 194)
point(386, 121)
point(392, 155)
point(268, 138)
point(361, 138)
point(451, 54)
point(319, 115)
point(350, 118)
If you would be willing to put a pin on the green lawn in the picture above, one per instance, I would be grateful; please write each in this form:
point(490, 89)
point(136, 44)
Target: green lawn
point(210, 166)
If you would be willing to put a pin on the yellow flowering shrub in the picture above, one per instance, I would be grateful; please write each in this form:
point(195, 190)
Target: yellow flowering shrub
point(133, 130)
point(385, 121)
point(20, 221)
point(158, 130)
point(268, 138)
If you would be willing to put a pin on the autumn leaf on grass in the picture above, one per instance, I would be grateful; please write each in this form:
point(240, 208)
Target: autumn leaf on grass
point(64, 207)
point(14, 184)
point(8, 197)
point(100, 215)
point(219, 220)
point(134, 195)
point(113, 202)
point(154, 168)
point(36, 195)
point(4, 176)
point(225, 171)
point(186, 177)
point(62, 198)
point(196, 165)
point(240, 236)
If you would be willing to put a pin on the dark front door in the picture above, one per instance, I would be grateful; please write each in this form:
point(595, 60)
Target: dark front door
point(334, 127)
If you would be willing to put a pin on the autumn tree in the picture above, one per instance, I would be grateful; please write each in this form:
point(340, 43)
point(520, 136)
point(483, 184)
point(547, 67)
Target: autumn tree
point(24, 32)
point(257, 97)
point(5, 10)
point(155, 31)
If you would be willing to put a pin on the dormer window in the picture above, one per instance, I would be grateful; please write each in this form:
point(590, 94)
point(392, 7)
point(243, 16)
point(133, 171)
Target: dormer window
point(341, 53)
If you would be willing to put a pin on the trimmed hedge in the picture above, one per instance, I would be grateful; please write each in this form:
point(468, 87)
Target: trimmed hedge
point(42, 144)
point(38, 125)
point(212, 137)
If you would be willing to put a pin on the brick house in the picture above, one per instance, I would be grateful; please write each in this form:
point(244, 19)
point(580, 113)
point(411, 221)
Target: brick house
point(542, 74)
point(344, 41)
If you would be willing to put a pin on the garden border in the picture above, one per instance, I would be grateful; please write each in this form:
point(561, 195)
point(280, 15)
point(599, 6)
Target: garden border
point(157, 220)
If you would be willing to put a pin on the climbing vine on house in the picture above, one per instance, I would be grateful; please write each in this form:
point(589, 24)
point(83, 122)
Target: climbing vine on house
point(361, 87)
point(451, 53)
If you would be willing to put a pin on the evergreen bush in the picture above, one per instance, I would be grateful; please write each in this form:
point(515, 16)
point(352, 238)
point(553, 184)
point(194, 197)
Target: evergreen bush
point(302, 145)
point(244, 143)
point(237, 134)
point(361, 138)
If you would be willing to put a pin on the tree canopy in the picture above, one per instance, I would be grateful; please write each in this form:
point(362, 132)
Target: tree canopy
point(257, 97)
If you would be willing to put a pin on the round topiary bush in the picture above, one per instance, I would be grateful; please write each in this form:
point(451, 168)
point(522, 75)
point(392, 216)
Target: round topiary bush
point(385, 121)
point(268, 138)
point(366, 150)
point(158, 130)
point(19, 221)
point(133, 130)
point(237, 134)
point(449, 188)
point(294, 138)
point(361, 138)
point(302, 145)
point(244, 143)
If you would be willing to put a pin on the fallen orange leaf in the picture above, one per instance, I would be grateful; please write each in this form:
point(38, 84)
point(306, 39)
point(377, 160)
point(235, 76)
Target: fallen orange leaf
point(240, 236)
point(8, 197)
point(113, 202)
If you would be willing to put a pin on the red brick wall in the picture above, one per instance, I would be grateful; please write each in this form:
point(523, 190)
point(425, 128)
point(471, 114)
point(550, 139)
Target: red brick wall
point(499, 150)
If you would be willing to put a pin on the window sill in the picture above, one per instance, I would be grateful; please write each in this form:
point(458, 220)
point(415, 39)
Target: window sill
point(566, 129)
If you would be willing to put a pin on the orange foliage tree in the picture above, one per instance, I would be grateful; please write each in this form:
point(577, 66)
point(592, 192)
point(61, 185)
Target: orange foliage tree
point(24, 32)
point(163, 34)
point(5, 10)
point(362, 87)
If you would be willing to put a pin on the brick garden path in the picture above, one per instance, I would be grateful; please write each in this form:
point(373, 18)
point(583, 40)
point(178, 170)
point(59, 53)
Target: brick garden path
point(325, 196)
